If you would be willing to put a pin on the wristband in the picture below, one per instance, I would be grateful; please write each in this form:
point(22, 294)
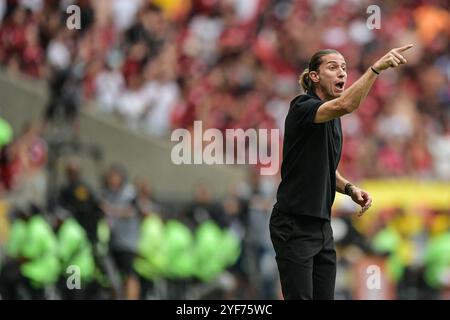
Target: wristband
point(375, 71)
point(347, 188)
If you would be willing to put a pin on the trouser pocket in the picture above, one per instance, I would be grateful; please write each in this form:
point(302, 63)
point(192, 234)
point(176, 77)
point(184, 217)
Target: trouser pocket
point(281, 226)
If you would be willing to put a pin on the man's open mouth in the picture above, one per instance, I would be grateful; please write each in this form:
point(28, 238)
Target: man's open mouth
point(340, 85)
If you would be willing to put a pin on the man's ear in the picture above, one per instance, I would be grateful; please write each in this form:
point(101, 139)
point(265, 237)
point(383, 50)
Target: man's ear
point(314, 76)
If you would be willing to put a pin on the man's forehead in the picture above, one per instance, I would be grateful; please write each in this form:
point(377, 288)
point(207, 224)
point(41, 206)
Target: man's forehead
point(336, 58)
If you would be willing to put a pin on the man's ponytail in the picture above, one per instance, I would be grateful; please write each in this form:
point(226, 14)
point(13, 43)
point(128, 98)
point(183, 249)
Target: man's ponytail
point(305, 81)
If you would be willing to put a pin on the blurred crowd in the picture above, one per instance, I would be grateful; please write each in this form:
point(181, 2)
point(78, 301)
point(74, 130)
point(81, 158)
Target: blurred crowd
point(129, 245)
point(410, 246)
point(119, 242)
point(21, 157)
point(162, 64)
point(158, 65)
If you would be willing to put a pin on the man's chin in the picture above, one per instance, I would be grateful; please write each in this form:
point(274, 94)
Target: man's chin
point(337, 94)
point(333, 96)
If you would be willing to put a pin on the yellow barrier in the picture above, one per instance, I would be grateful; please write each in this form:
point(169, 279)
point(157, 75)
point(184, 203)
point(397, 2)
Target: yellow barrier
point(407, 194)
point(411, 195)
point(4, 222)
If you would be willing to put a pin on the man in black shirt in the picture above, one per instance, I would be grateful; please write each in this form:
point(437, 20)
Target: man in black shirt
point(300, 223)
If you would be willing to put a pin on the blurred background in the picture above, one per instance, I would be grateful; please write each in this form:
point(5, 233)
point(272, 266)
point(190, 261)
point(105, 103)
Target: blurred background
point(86, 177)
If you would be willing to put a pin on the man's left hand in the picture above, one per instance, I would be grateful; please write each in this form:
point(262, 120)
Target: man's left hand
point(362, 198)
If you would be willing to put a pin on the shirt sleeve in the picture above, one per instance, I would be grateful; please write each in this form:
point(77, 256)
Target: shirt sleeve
point(305, 110)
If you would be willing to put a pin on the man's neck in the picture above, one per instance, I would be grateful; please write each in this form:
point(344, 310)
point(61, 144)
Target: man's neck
point(318, 92)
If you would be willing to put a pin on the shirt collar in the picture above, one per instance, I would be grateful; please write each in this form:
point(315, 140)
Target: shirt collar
point(313, 94)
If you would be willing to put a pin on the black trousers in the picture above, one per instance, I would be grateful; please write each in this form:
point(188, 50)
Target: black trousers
point(305, 255)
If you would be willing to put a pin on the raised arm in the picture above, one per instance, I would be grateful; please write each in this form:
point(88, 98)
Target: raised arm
point(352, 98)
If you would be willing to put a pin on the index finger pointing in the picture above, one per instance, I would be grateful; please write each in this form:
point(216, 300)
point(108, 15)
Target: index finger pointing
point(401, 49)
